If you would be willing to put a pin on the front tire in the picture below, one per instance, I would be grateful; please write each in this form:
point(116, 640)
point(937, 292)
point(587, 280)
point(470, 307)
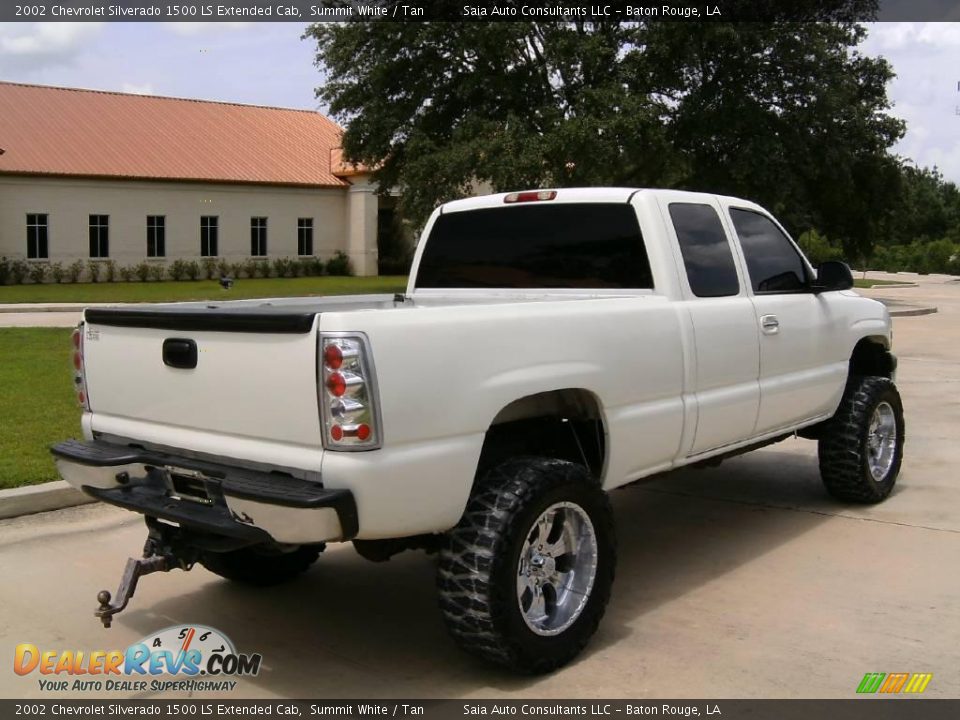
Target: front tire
point(861, 448)
point(525, 577)
point(261, 567)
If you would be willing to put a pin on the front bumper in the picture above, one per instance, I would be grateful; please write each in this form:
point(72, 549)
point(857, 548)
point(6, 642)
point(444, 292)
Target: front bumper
point(221, 500)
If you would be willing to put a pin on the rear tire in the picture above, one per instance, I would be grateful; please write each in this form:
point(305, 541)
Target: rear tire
point(861, 447)
point(525, 577)
point(259, 566)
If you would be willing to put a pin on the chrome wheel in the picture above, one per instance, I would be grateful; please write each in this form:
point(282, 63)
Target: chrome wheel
point(556, 569)
point(881, 441)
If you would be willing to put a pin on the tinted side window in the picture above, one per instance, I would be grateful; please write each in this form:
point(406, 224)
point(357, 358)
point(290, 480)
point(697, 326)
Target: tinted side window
point(772, 261)
point(706, 252)
point(542, 245)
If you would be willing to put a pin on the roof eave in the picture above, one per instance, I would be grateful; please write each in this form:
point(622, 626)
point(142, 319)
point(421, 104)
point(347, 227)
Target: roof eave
point(191, 180)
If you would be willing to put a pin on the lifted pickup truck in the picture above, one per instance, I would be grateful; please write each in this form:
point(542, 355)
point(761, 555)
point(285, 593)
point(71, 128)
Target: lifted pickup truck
point(552, 345)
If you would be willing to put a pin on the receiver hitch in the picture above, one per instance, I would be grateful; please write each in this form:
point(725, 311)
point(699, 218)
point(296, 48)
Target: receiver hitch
point(161, 553)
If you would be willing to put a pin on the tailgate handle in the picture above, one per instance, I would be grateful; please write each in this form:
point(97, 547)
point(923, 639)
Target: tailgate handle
point(180, 353)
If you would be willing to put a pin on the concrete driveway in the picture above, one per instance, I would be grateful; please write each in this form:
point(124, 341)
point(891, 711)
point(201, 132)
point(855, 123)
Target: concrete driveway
point(739, 581)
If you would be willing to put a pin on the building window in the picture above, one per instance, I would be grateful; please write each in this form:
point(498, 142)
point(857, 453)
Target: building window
point(305, 236)
point(99, 236)
point(258, 236)
point(209, 225)
point(37, 237)
point(156, 236)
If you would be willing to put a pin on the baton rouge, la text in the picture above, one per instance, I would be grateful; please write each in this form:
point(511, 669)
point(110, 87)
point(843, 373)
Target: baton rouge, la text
point(560, 11)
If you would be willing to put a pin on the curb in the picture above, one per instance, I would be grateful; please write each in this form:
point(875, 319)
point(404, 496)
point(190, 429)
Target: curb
point(40, 498)
point(44, 309)
point(52, 308)
point(893, 286)
point(913, 311)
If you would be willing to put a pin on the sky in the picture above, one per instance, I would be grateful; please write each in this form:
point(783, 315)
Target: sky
point(268, 64)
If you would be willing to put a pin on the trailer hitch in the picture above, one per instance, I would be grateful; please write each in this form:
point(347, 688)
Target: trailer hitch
point(134, 570)
point(161, 553)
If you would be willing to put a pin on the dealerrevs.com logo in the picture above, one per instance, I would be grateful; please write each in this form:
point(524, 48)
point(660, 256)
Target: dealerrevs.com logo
point(179, 658)
point(894, 682)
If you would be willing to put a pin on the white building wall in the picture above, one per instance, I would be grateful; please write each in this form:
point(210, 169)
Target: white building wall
point(69, 202)
point(362, 221)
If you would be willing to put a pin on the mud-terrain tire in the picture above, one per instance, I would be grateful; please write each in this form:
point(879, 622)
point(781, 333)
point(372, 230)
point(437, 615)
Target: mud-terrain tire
point(861, 447)
point(260, 567)
point(525, 576)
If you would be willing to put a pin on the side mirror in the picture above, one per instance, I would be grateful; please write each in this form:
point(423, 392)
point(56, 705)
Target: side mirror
point(833, 275)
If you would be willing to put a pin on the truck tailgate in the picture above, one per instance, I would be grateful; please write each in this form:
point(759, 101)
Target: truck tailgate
point(255, 373)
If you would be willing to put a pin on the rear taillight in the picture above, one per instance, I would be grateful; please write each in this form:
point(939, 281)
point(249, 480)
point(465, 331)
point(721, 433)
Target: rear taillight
point(79, 373)
point(347, 392)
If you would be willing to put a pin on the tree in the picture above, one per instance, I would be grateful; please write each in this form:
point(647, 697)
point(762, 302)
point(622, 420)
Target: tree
point(789, 114)
point(927, 206)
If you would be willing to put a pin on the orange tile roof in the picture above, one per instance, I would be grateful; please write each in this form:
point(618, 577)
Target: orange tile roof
point(91, 133)
point(342, 168)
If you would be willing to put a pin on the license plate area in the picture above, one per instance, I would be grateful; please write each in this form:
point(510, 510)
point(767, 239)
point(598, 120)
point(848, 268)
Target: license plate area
point(187, 485)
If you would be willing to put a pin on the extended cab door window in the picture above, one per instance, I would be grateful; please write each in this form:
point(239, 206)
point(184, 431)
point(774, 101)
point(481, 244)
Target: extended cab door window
point(726, 355)
point(543, 245)
point(773, 262)
point(706, 251)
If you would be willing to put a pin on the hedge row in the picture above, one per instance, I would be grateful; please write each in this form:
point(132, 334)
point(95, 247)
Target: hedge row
point(920, 256)
point(17, 272)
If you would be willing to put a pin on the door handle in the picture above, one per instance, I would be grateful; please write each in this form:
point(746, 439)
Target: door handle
point(769, 324)
point(180, 353)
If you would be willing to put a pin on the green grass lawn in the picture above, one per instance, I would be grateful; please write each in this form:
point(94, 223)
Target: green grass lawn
point(37, 403)
point(198, 290)
point(868, 283)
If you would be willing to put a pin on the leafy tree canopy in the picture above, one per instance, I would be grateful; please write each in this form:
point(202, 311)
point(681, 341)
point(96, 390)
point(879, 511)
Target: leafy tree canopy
point(789, 114)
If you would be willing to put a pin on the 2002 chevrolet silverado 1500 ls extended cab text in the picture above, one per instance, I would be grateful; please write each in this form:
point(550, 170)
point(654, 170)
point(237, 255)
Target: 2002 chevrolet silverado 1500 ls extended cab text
point(551, 346)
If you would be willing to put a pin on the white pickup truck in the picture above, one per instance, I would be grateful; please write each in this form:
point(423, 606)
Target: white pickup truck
point(552, 345)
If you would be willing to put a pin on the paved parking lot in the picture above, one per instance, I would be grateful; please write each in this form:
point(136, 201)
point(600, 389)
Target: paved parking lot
point(738, 581)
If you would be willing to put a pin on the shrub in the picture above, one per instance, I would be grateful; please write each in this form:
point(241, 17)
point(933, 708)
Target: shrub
point(236, 269)
point(4, 270)
point(155, 272)
point(142, 271)
point(340, 265)
point(921, 256)
point(304, 266)
point(56, 272)
point(253, 267)
point(74, 271)
point(209, 268)
point(177, 270)
point(126, 273)
point(93, 267)
point(38, 272)
point(283, 267)
point(223, 268)
point(111, 270)
point(18, 271)
point(937, 256)
point(815, 246)
point(191, 269)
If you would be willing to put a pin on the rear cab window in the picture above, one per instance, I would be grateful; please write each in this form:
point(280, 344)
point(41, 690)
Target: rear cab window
point(774, 264)
point(707, 256)
point(535, 246)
